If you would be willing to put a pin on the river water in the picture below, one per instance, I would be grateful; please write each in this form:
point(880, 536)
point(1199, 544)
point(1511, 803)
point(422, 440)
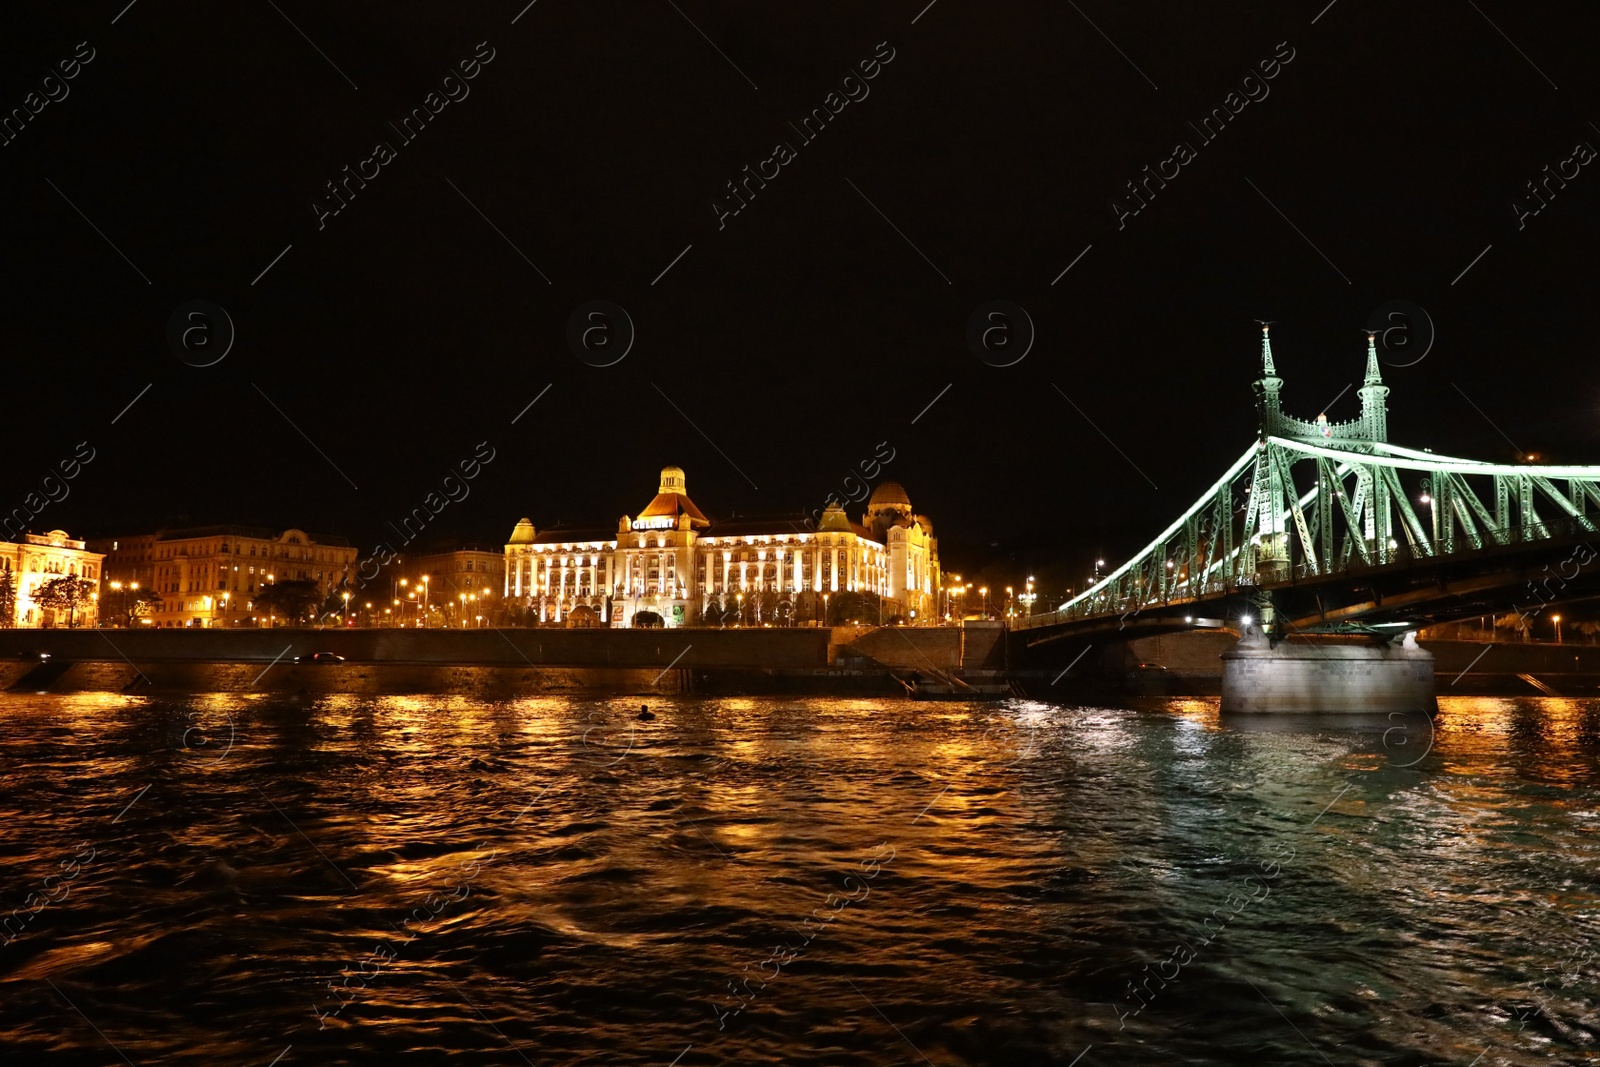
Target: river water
point(230, 879)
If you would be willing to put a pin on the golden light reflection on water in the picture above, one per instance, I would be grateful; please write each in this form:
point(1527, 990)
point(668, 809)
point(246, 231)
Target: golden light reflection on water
point(1041, 851)
point(1205, 712)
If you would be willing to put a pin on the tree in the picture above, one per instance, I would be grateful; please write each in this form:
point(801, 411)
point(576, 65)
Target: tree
point(8, 600)
point(65, 593)
point(125, 604)
point(334, 604)
point(291, 598)
point(147, 602)
point(853, 607)
point(766, 606)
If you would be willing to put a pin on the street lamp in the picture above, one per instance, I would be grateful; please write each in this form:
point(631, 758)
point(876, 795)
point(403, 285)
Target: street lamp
point(1557, 620)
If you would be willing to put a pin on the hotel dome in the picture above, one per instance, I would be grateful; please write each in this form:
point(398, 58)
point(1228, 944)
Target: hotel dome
point(888, 494)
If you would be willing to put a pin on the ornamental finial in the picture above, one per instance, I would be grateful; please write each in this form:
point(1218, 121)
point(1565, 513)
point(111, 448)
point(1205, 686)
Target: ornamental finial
point(1267, 369)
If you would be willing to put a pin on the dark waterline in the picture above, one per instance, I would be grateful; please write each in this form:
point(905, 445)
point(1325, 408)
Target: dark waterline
point(812, 881)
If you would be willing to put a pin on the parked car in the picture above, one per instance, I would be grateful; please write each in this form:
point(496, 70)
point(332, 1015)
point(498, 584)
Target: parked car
point(319, 657)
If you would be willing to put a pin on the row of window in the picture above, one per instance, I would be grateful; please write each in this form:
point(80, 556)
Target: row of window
point(315, 555)
point(54, 566)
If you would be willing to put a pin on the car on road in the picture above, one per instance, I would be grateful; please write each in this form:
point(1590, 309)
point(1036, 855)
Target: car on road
point(320, 657)
point(30, 654)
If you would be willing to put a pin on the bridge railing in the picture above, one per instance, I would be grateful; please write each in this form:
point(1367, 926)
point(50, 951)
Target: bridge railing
point(1394, 557)
point(1403, 555)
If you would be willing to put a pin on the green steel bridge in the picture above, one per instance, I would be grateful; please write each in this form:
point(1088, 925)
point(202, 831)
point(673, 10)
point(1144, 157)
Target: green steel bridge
point(1325, 527)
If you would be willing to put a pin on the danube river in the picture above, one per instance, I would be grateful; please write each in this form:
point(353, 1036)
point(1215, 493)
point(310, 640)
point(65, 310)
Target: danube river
point(259, 879)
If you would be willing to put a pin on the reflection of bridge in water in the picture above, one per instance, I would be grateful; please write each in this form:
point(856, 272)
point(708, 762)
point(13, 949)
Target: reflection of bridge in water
point(1327, 527)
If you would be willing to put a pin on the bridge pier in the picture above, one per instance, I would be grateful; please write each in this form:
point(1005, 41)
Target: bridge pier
point(1290, 677)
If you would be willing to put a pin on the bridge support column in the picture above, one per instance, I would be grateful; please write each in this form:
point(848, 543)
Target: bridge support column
point(1291, 677)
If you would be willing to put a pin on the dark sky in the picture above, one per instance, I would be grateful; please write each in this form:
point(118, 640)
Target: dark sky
point(808, 329)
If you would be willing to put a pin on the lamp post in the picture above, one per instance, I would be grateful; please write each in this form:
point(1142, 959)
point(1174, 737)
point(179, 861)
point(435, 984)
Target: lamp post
point(1557, 620)
point(983, 591)
point(426, 584)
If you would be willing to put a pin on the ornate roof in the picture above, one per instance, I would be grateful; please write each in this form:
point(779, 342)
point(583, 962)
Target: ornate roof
point(888, 494)
point(522, 533)
point(671, 502)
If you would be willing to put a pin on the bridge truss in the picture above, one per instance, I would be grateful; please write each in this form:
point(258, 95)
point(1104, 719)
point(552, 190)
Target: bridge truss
point(1294, 509)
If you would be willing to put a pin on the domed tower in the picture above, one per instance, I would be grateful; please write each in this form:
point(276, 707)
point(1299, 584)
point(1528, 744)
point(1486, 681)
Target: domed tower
point(912, 552)
point(888, 506)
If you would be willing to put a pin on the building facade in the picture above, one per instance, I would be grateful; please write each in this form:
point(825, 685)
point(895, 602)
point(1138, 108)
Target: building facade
point(208, 576)
point(675, 563)
point(37, 559)
point(455, 587)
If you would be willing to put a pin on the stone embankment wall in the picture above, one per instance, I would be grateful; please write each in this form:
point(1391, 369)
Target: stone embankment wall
point(501, 661)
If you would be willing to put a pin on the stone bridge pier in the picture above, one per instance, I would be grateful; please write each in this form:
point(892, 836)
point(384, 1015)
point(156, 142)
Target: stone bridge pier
point(1308, 676)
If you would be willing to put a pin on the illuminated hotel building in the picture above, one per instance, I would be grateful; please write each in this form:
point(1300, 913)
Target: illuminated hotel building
point(672, 560)
point(39, 558)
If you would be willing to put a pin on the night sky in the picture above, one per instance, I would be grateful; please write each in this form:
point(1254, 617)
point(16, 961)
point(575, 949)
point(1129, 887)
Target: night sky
point(792, 338)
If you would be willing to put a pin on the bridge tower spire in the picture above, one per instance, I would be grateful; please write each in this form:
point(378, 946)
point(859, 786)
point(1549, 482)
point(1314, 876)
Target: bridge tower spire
point(1374, 408)
point(1268, 386)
